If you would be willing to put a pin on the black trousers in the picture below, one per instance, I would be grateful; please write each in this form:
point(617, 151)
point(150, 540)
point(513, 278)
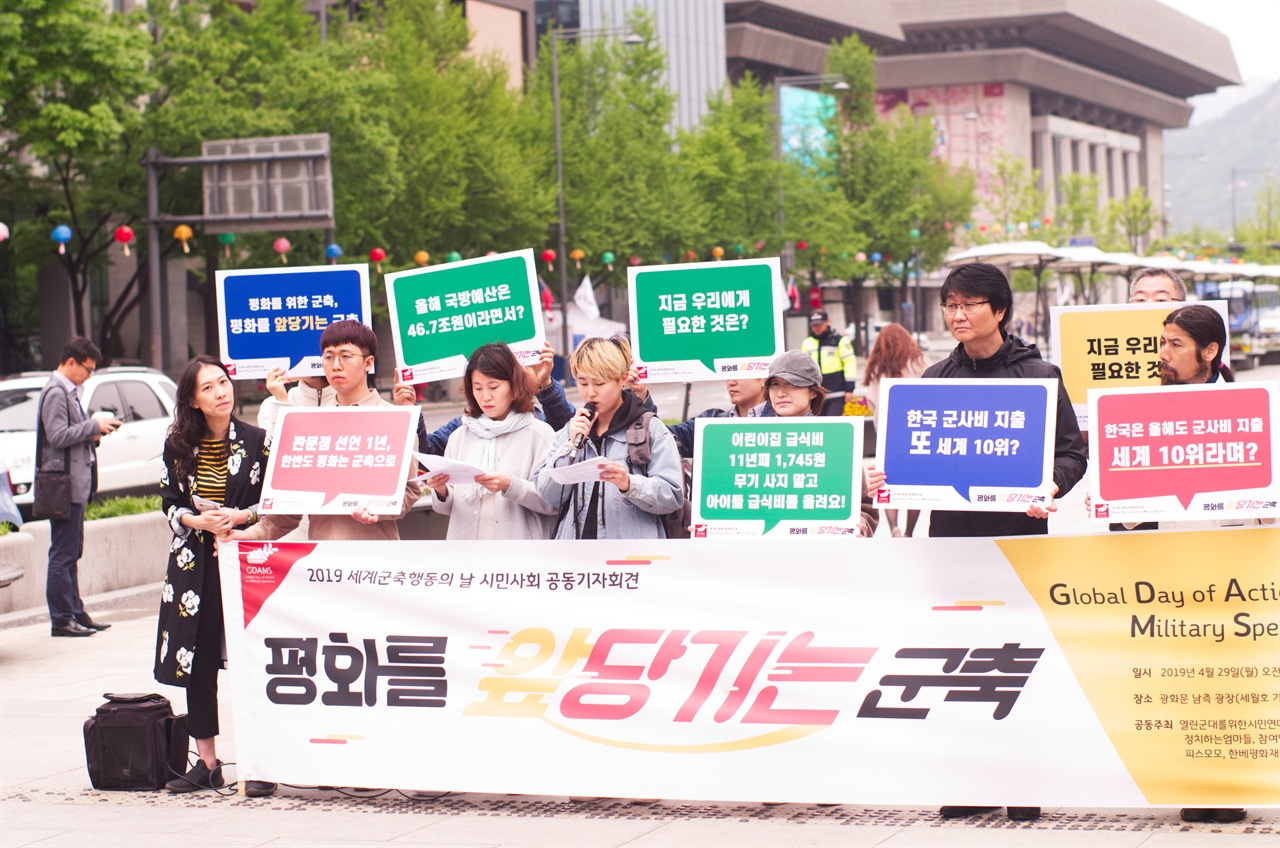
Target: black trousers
point(202, 687)
point(62, 583)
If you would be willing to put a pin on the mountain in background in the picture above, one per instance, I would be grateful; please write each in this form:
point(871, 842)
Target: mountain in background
point(1199, 159)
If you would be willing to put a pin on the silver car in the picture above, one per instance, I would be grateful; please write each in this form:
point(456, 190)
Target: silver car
point(128, 459)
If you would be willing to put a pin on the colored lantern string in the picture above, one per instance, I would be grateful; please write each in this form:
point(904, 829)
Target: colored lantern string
point(608, 258)
point(226, 240)
point(183, 233)
point(549, 256)
point(454, 256)
point(577, 255)
point(376, 256)
point(717, 252)
point(62, 235)
point(332, 250)
point(281, 246)
point(422, 257)
point(4, 232)
point(634, 260)
point(124, 235)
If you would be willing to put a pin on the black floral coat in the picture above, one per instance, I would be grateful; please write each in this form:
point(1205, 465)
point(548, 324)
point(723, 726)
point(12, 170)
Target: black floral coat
point(192, 551)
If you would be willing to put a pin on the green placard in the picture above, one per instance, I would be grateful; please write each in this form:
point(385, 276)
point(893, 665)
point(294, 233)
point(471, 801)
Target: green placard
point(443, 313)
point(752, 475)
point(705, 321)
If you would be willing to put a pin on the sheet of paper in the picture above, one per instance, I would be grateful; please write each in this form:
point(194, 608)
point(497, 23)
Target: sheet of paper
point(204, 504)
point(579, 472)
point(459, 472)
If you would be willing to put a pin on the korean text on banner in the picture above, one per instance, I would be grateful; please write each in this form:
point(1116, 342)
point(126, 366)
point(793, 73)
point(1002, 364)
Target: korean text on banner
point(274, 317)
point(1202, 452)
point(757, 475)
point(705, 321)
point(724, 669)
point(441, 314)
point(974, 445)
point(333, 460)
point(1110, 347)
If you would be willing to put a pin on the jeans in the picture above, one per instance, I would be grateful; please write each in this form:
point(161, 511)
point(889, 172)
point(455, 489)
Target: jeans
point(62, 587)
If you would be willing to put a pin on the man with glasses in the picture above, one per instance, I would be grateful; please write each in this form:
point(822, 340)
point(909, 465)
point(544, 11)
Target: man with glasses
point(65, 441)
point(348, 350)
point(977, 303)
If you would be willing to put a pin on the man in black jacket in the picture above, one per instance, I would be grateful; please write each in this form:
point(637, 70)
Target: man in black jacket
point(977, 301)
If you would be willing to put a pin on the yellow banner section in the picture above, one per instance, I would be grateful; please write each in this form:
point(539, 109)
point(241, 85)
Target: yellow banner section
point(1195, 700)
point(1109, 349)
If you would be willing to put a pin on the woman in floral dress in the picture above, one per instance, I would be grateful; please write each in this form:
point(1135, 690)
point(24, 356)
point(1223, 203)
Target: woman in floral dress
point(219, 460)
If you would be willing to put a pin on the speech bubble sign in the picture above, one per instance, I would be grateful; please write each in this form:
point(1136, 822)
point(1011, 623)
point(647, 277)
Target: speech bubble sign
point(332, 460)
point(1179, 452)
point(1104, 347)
point(440, 315)
point(753, 475)
point(968, 444)
point(705, 321)
point(274, 317)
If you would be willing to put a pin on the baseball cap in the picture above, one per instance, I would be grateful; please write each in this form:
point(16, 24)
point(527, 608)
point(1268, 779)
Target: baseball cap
point(817, 316)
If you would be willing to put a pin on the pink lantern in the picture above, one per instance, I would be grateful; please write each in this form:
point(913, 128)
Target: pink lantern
point(281, 246)
point(860, 256)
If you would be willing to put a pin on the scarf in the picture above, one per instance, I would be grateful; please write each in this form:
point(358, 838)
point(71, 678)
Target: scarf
point(484, 455)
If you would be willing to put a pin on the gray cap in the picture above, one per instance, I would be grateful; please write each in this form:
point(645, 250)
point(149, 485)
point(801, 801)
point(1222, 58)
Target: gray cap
point(797, 368)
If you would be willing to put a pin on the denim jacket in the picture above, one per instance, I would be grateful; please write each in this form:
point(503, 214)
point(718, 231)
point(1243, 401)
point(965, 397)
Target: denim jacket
point(634, 514)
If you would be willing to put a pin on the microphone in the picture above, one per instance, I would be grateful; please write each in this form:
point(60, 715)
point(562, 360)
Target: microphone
point(590, 409)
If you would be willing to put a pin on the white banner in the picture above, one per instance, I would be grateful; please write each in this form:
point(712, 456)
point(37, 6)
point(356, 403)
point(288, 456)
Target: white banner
point(892, 671)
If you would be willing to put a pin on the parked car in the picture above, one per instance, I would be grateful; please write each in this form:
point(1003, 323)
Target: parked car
point(128, 459)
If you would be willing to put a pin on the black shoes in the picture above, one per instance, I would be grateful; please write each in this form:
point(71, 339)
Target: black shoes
point(259, 789)
point(1200, 815)
point(71, 628)
point(197, 777)
point(1014, 813)
point(86, 621)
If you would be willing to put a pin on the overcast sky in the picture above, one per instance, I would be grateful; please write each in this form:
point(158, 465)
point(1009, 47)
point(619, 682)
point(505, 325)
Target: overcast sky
point(1252, 25)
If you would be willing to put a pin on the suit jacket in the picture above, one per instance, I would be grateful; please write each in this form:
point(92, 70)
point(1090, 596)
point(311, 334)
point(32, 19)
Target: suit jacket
point(67, 428)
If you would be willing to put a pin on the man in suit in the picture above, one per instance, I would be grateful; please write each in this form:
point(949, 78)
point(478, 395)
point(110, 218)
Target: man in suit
point(65, 442)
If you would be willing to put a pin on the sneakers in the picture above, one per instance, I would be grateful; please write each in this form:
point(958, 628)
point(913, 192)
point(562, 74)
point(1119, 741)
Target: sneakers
point(1199, 815)
point(259, 789)
point(197, 777)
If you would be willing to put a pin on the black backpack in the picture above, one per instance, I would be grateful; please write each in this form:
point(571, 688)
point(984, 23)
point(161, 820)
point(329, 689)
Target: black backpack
point(134, 741)
point(639, 453)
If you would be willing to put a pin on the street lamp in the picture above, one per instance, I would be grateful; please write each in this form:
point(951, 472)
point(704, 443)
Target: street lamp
point(557, 35)
point(837, 84)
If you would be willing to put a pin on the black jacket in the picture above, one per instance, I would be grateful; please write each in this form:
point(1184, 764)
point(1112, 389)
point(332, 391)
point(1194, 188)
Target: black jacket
point(1014, 359)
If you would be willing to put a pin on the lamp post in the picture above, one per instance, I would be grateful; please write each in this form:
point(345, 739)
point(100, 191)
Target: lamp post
point(558, 35)
point(837, 84)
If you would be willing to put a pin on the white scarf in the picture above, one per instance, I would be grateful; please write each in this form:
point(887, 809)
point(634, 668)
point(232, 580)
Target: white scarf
point(483, 454)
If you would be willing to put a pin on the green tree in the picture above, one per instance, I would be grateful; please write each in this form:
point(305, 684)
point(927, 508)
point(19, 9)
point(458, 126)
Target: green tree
point(1015, 197)
point(1132, 217)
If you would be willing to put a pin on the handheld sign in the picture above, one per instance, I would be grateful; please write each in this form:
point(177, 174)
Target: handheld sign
point(1184, 452)
point(333, 460)
point(973, 445)
point(1106, 347)
point(762, 476)
point(274, 317)
point(705, 321)
point(440, 315)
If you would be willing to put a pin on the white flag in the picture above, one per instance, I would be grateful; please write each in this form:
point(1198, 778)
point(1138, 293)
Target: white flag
point(585, 297)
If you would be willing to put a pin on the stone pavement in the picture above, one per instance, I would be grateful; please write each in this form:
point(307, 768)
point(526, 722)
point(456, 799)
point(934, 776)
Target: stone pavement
point(49, 686)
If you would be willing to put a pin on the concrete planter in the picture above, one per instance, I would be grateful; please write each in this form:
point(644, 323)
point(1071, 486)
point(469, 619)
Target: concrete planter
point(118, 553)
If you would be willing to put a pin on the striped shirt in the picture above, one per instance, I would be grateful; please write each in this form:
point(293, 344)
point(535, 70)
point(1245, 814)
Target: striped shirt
point(211, 470)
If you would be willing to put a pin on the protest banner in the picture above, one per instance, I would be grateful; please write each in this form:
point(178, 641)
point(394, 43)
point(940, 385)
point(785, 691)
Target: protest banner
point(705, 320)
point(1184, 453)
point(975, 445)
point(441, 314)
point(795, 476)
point(1103, 347)
point(957, 671)
point(333, 460)
point(274, 317)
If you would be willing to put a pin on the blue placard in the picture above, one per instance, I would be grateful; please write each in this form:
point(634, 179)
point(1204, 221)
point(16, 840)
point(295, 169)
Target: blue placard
point(274, 317)
point(971, 444)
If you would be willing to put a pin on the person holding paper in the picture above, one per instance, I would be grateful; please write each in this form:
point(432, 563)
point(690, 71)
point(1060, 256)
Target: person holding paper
point(211, 483)
point(618, 500)
point(348, 348)
point(501, 436)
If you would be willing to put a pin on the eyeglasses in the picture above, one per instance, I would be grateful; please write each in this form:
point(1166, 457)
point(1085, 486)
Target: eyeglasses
point(88, 368)
point(347, 359)
point(966, 308)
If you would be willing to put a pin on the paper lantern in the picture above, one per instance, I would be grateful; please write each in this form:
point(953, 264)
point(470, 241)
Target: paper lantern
point(876, 257)
point(422, 257)
point(454, 256)
point(332, 250)
point(607, 257)
point(1035, 225)
point(634, 260)
point(1022, 227)
point(717, 252)
point(124, 235)
point(4, 232)
point(802, 245)
point(739, 249)
point(183, 234)
point(226, 240)
point(61, 234)
point(982, 228)
point(548, 256)
point(915, 232)
point(946, 225)
point(577, 255)
point(968, 225)
point(760, 244)
point(860, 256)
point(376, 256)
point(1047, 221)
point(281, 246)
point(691, 256)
